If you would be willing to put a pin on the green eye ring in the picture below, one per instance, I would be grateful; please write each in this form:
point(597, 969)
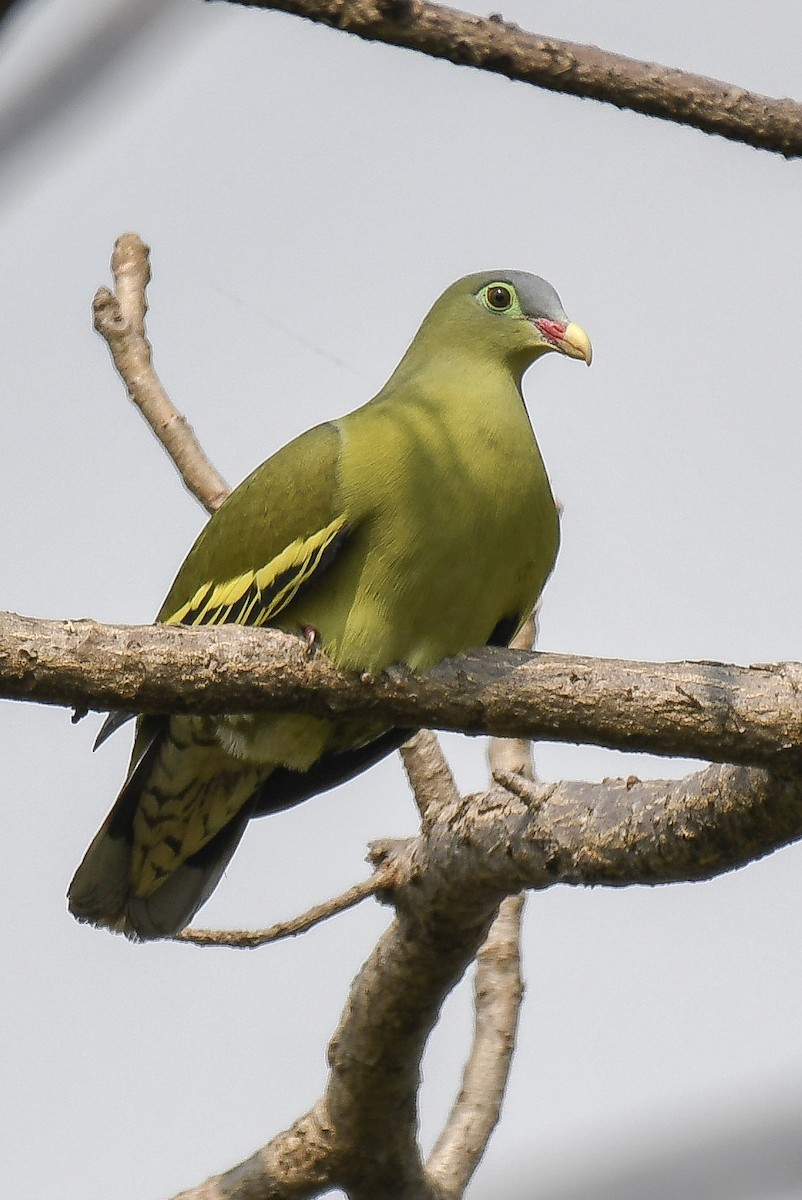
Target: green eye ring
point(499, 297)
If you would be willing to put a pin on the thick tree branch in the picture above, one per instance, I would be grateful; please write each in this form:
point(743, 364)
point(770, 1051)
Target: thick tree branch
point(449, 883)
point(629, 831)
point(749, 715)
point(492, 44)
point(120, 320)
point(296, 1165)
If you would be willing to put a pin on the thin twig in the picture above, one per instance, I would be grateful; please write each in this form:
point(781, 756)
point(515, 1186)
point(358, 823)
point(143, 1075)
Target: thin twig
point(492, 44)
point(120, 319)
point(244, 939)
point(498, 991)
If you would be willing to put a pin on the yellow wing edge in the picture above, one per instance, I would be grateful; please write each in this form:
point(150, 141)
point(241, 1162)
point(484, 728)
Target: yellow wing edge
point(257, 596)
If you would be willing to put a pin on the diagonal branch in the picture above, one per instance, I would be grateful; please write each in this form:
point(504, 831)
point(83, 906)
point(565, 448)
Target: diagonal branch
point(120, 319)
point(492, 44)
point(246, 939)
point(296, 1165)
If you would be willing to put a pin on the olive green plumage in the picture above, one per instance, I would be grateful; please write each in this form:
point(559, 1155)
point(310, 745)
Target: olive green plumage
point(415, 527)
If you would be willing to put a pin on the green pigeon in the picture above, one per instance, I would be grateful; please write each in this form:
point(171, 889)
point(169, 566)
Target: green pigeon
point(416, 527)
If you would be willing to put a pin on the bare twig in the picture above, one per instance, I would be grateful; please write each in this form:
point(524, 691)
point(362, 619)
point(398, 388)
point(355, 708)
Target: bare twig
point(492, 44)
point(498, 991)
point(120, 320)
point(244, 939)
point(749, 715)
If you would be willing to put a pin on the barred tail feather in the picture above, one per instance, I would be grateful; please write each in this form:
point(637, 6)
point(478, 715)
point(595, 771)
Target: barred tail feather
point(102, 892)
point(174, 904)
point(100, 887)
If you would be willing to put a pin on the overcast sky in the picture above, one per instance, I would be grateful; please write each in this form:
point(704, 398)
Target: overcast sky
point(307, 196)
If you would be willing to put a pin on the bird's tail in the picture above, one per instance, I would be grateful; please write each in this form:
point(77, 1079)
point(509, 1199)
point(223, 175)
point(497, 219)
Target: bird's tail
point(168, 839)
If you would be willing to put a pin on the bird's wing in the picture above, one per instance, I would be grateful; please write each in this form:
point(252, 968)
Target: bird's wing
point(275, 534)
point(259, 594)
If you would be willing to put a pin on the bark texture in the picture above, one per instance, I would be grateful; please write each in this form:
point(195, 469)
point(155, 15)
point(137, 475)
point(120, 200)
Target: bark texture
point(493, 44)
point(748, 715)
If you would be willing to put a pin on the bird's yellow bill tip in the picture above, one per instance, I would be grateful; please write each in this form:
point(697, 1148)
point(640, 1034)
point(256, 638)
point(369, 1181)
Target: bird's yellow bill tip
point(576, 343)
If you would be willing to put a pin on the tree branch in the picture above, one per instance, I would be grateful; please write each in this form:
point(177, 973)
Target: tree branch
point(629, 831)
point(296, 1165)
point(429, 775)
point(120, 319)
point(498, 991)
point(750, 715)
point(492, 44)
point(449, 884)
point(246, 939)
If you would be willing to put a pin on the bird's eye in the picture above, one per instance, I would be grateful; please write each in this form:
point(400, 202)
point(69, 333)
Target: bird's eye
point(498, 297)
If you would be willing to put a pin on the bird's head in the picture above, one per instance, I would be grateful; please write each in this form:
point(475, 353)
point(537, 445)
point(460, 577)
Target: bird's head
point(507, 315)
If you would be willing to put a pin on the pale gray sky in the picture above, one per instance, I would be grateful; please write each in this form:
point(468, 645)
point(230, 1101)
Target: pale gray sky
point(307, 196)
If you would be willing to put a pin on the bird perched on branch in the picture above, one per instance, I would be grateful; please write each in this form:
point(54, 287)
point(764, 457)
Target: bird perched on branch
point(416, 527)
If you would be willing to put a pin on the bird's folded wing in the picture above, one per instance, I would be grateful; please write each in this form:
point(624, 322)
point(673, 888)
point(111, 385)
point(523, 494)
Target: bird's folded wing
point(279, 530)
point(258, 595)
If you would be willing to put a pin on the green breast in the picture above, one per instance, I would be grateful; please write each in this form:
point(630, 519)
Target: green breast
point(458, 526)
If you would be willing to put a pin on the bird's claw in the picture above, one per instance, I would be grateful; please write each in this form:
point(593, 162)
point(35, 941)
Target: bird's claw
point(312, 638)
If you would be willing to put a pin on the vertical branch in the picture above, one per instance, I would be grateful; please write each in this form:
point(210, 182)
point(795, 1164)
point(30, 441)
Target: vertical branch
point(429, 776)
point(498, 992)
point(514, 755)
point(119, 318)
